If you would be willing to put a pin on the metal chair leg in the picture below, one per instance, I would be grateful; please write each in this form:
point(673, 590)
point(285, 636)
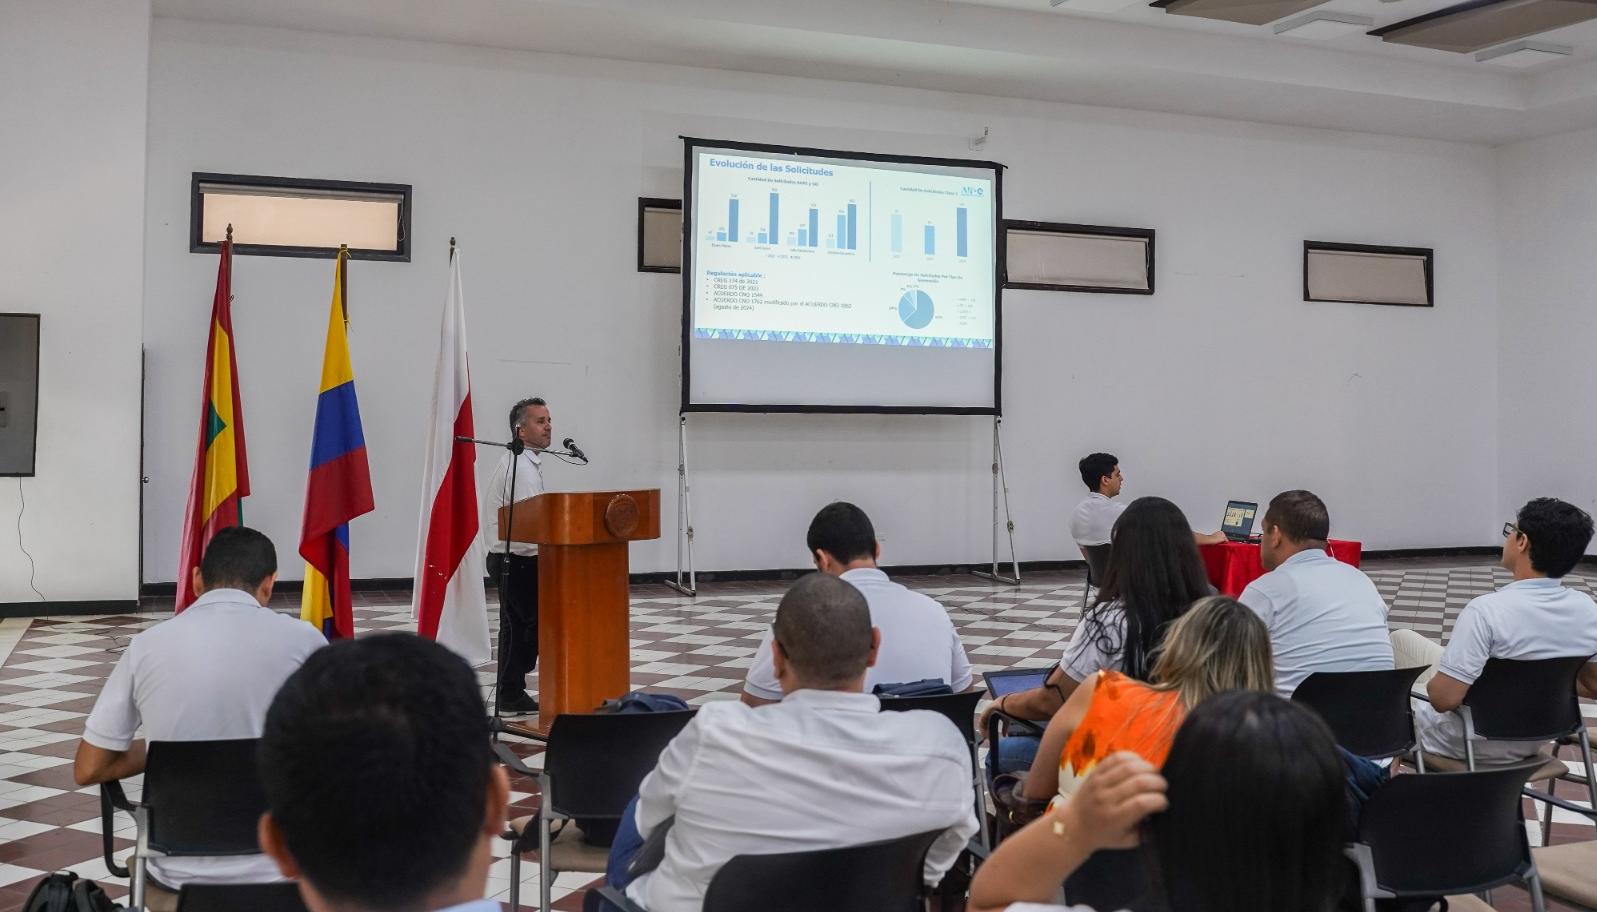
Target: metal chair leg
point(1585, 757)
point(515, 874)
point(1547, 814)
point(545, 873)
point(141, 819)
point(1538, 903)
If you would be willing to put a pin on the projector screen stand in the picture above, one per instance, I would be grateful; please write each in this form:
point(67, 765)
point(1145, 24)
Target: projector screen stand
point(684, 515)
point(1001, 492)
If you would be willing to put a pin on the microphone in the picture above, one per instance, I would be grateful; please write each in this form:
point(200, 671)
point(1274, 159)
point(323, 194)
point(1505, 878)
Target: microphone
point(571, 446)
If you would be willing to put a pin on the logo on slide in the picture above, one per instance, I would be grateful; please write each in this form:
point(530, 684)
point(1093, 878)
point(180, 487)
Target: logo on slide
point(915, 309)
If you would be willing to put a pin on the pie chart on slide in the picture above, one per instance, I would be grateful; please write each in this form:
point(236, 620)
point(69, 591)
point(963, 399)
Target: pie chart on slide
point(915, 309)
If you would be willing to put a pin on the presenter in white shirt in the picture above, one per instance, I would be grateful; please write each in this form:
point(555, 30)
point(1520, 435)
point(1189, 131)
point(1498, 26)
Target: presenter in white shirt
point(919, 641)
point(1093, 521)
point(824, 768)
point(1323, 615)
point(1534, 617)
point(207, 674)
point(518, 602)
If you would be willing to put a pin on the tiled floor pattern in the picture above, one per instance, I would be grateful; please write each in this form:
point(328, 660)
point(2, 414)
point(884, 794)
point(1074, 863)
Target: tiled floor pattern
point(52, 668)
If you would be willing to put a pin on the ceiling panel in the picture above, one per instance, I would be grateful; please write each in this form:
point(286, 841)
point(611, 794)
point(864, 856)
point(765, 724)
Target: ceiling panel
point(1470, 27)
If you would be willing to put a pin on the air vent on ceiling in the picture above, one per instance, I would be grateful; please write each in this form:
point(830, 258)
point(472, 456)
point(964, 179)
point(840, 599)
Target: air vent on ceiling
point(1247, 12)
point(1480, 24)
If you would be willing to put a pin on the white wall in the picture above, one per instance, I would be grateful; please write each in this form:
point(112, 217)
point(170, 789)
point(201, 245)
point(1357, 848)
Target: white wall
point(72, 140)
point(1548, 320)
point(1224, 384)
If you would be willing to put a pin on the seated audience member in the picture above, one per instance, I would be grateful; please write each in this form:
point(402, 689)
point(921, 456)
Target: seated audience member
point(1217, 646)
point(382, 793)
point(1323, 615)
point(1247, 817)
point(207, 674)
point(824, 768)
point(1534, 617)
point(919, 642)
point(1154, 574)
point(1095, 516)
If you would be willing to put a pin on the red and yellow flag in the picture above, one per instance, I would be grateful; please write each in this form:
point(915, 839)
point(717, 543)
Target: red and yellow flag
point(221, 472)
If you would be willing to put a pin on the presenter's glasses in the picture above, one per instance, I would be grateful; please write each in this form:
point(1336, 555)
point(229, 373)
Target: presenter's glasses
point(1510, 530)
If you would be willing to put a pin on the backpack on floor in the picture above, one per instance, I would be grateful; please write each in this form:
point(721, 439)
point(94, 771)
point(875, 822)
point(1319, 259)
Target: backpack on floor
point(64, 892)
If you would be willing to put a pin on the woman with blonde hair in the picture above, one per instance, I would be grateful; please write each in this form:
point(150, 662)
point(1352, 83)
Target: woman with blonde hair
point(1218, 645)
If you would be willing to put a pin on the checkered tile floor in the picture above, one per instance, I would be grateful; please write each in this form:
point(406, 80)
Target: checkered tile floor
point(698, 648)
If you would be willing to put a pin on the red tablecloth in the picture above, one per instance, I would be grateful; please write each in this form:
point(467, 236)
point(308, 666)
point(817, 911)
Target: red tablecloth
point(1233, 565)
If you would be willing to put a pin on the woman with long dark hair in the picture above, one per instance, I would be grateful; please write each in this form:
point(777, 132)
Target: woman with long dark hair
point(1154, 575)
point(1247, 817)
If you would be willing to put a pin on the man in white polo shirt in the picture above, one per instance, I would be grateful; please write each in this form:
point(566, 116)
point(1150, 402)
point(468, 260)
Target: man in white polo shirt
point(824, 768)
point(1534, 617)
point(1093, 522)
point(919, 641)
point(1323, 615)
point(207, 674)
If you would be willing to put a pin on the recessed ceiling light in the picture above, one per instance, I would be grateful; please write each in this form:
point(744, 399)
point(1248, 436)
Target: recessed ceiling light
point(1093, 6)
point(1324, 25)
point(1522, 54)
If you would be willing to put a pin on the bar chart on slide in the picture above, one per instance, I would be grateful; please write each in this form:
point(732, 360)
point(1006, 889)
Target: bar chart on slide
point(933, 237)
point(735, 228)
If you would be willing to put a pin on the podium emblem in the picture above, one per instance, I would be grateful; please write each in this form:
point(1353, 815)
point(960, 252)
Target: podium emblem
point(621, 516)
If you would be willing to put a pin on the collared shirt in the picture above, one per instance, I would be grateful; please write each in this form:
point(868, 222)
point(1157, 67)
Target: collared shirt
point(207, 674)
point(1526, 619)
point(1323, 615)
point(918, 640)
point(821, 769)
point(529, 483)
point(1094, 519)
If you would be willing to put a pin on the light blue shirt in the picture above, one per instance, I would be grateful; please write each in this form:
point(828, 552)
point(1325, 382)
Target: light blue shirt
point(476, 905)
point(1323, 615)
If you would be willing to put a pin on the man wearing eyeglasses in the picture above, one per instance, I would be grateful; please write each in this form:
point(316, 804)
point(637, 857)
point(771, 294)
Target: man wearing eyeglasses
point(1534, 617)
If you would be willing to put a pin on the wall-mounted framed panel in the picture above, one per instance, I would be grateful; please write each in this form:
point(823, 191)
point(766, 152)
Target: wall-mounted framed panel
point(298, 217)
point(659, 234)
point(1060, 256)
point(1368, 274)
point(19, 394)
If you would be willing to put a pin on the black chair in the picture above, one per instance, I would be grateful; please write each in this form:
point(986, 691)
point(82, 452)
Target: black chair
point(1369, 712)
point(592, 768)
point(960, 709)
point(1445, 833)
point(884, 876)
point(266, 897)
point(1525, 700)
point(200, 798)
point(1097, 567)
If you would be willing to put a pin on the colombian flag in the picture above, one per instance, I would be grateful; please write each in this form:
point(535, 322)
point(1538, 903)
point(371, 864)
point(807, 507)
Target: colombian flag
point(221, 473)
point(340, 486)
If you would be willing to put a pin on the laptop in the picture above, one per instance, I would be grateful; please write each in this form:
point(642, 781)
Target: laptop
point(1237, 524)
point(1014, 680)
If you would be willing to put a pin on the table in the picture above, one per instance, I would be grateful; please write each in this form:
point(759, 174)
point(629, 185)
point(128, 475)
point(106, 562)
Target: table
point(1233, 565)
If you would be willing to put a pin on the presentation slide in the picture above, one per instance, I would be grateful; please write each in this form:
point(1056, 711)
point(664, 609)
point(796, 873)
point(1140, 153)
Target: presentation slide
point(837, 281)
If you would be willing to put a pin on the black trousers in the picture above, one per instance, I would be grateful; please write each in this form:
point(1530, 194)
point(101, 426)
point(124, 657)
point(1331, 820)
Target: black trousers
point(518, 621)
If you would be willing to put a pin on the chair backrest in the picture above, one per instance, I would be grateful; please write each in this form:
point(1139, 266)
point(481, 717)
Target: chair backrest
point(881, 876)
point(1526, 699)
point(1447, 833)
point(255, 897)
point(596, 761)
point(1097, 562)
point(203, 797)
point(1369, 712)
point(958, 708)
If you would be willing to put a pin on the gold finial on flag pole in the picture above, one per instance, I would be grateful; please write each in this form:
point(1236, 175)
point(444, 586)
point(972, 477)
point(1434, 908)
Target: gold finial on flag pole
point(343, 282)
point(451, 248)
point(230, 231)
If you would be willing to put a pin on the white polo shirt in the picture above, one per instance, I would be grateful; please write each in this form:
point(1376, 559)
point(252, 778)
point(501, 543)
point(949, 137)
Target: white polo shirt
point(529, 483)
point(821, 769)
point(1085, 655)
point(918, 640)
point(1094, 519)
point(1527, 619)
point(1323, 615)
point(207, 674)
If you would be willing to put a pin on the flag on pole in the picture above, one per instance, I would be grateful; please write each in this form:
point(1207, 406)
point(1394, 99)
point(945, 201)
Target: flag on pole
point(449, 605)
point(221, 473)
point(340, 485)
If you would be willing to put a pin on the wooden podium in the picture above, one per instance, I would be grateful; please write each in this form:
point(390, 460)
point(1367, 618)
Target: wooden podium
point(583, 655)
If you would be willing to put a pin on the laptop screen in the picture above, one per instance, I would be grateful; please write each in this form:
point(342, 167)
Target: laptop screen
point(1238, 521)
point(1013, 680)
